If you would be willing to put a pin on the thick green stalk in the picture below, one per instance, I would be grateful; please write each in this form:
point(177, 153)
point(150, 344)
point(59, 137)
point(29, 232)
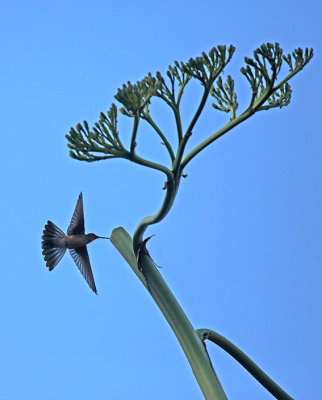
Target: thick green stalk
point(189, 340)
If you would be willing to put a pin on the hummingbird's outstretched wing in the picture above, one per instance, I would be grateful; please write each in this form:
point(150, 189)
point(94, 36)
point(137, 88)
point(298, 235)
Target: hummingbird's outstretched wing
point(52, 245)
point(80, 256)
point(76, 226)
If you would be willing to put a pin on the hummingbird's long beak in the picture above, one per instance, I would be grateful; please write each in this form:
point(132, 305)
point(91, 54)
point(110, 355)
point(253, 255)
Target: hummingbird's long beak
point(103, 237)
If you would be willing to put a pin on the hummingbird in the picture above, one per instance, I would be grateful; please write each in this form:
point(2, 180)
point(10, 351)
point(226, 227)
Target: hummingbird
point(55, 242)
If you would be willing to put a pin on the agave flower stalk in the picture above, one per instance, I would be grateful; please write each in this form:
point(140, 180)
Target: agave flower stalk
point(103, 141)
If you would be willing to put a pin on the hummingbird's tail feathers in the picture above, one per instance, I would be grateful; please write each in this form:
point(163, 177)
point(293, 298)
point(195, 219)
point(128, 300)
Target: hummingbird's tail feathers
point(53, 245)
point(81, 258)
point(53, 256)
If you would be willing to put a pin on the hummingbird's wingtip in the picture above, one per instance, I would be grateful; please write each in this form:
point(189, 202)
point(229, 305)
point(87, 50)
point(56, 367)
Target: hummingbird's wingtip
point(93, 287)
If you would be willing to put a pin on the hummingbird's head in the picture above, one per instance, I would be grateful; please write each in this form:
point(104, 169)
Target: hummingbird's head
point(92, 236)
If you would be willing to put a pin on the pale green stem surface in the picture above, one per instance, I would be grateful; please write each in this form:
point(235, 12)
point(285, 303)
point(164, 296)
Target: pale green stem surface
point(190, 342)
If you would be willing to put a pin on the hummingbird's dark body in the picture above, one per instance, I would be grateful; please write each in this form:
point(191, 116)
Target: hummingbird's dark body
point(55, 242)
point(75, 241)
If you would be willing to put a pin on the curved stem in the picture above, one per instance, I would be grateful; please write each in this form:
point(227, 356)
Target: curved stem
point(167, 202)
point(172, 188)
point(246, 362)
point(178, 321)
point(147, 163)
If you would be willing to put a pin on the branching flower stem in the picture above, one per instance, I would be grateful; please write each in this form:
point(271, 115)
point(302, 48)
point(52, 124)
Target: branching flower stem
point(230, 125)
point(147, 117)
point(182, 86)
point(173, 181)
point(199, 110)
point(134, 133)
point(178, 166)
point(252, 108)
point(288, 77)
point(178, 121)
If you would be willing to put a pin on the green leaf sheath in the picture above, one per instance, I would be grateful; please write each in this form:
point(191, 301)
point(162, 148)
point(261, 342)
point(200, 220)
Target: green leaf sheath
point(189, 340)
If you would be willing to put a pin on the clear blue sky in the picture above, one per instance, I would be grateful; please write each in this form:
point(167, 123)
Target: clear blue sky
point(241, 248)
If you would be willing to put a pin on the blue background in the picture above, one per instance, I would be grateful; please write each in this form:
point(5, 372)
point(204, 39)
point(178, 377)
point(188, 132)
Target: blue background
point(241, 248)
